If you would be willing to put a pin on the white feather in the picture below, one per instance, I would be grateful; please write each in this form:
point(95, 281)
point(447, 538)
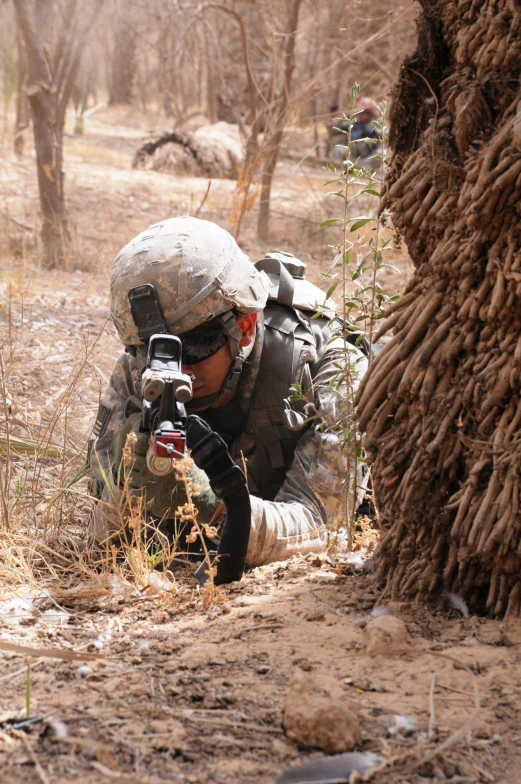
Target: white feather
point(459, 604)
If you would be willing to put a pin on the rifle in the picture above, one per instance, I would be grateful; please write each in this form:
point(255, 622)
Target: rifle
point(165, 390)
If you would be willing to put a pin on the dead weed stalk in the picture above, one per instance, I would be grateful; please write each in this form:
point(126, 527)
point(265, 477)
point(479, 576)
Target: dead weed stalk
point(44, 499)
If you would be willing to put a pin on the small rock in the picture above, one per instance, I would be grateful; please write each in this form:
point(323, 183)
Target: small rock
point(459, 665)
point(283, 749)
point(58, 728)
point(482, 732)
point(403, 725)
point(83, 670)
point(370, 686)
point(306, 665)
point(316, 616)
point(385, 634)
point(104, 755)
point(160, 616)
point(315, 719)
point(377, 612)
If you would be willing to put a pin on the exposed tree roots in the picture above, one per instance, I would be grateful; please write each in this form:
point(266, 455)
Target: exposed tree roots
point(441, 405)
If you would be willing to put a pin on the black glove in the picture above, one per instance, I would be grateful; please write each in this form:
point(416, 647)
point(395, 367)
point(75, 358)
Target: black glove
point(228, 482)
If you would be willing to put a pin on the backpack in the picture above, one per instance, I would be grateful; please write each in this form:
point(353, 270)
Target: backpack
point(289, 287)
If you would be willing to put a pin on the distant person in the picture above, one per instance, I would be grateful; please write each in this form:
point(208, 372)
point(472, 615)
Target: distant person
point(364, 141)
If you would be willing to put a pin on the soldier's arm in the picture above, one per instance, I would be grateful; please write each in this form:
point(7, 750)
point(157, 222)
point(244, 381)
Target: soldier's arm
point(111, 417)
point(111, 412)
point(312, 494)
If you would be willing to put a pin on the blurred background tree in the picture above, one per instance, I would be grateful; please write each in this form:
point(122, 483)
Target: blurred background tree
point(270, 68)
point(53, 37)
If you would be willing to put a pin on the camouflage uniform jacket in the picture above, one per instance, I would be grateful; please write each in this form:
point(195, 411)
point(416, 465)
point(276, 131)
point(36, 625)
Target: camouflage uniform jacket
point(297, 480)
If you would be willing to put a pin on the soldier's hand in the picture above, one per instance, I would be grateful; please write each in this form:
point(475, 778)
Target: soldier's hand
point(164, 494)
point(132, 463)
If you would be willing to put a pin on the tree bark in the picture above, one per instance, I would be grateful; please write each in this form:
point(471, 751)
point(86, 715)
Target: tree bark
point(47, 134)
point(51, 72)
point(123, 65)
point(275, 129)
point(441, 405)
point(22, 105)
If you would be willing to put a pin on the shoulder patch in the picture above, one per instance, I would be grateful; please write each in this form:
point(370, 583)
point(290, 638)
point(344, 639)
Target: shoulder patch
point(104, 414)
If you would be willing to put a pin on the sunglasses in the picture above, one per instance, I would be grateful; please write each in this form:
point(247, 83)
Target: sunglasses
point(198, 347)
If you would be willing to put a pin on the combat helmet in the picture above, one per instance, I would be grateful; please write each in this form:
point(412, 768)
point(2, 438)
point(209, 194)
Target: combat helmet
point(201, 279)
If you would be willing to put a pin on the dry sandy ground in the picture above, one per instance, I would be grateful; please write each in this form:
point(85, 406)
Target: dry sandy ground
point(187, 694)
point(189, 688)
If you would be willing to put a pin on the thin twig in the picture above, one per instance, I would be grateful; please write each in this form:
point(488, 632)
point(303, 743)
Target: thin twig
point(201, 205)
point(40, 771)
point(432, 711)
point(110, 774)
point(458, 691)
point(450, 741)
point(258, 627)
point(22, 225)
point(49, 653)
point(12, 675)
point(238, 725)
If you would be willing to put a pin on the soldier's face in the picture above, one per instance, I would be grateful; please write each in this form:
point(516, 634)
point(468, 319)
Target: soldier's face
point(209, 375)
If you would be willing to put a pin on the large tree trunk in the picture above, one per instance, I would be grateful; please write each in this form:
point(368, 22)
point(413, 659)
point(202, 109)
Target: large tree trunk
point(22, 105)
point(53, 56)
point(275, 126)
point(43, 100)
point(48, 140)
point(123, 65)
point(442, 405)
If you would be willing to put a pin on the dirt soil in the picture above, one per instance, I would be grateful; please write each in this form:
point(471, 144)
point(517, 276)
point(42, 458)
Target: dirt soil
point(187, 694)
point(183, 686)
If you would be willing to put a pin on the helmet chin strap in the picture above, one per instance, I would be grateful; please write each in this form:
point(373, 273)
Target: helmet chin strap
point(230, 383)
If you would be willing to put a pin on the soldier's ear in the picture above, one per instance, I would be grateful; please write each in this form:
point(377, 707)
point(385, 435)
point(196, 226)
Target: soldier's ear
point(246, 323)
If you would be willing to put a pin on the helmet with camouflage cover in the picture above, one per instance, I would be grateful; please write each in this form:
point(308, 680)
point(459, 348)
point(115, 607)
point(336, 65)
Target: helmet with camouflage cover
point(197, 269)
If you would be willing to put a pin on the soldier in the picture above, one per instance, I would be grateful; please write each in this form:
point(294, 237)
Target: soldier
point(364, 137)
point(247, 335)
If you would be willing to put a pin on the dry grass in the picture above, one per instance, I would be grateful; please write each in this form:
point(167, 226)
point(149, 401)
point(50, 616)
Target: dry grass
point(96, 154)
point(44, 494)
point(44, 502)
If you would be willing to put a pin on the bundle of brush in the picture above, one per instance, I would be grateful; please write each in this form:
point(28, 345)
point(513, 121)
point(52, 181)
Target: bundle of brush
point(441, 405)
point(210, 151)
